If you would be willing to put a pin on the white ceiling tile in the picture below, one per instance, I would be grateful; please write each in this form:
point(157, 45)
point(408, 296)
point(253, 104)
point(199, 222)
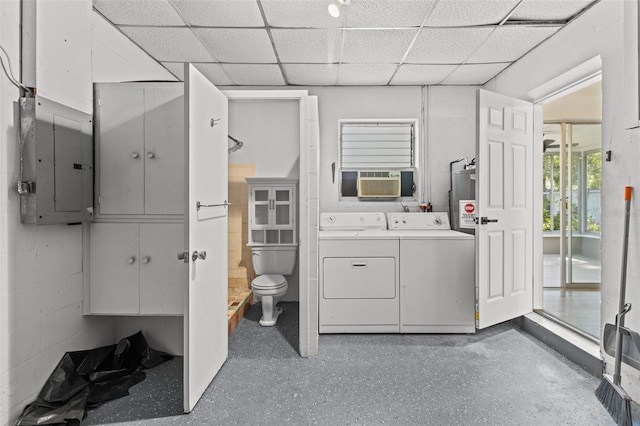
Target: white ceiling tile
point(300, 14)
point(254, 74)
point(365, 74)
point(308, 45)
point(446, 45)
point(456, 13)
point(250, 45)
point(474, 73)
point(311, 74)
point(139, 12)
point(421, 74)
point(228, 13)
point(542, 10)
point(357, 14)
point(376, 46)
point(215, 74)
point(385, 13)
point(169, 44)
point(508, 43)
point(177, 68)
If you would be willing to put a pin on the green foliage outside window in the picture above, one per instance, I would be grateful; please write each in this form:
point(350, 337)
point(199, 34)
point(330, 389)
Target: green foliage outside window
point(585, 191)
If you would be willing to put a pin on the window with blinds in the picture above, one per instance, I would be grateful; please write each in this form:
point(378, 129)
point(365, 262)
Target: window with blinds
point(376, 145)
point(370, 149)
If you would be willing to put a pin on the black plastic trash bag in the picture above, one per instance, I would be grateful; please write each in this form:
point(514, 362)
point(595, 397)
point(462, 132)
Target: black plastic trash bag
point(86, 379)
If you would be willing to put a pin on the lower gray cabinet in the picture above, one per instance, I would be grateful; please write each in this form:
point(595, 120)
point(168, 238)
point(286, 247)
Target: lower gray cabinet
point(134, 269)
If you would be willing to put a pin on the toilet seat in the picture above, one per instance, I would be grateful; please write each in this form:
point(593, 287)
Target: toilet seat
point(269, 282)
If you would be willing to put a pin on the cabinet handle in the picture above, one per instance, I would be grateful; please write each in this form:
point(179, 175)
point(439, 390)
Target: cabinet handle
point(134, 155)
point(151, 155)
point(131, 260)
point(146, 259)
point(359, 265)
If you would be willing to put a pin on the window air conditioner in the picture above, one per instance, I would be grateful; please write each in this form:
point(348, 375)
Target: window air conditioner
point(378, 184)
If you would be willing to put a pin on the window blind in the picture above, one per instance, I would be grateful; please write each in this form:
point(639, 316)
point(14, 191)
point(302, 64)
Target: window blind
point(376, 145)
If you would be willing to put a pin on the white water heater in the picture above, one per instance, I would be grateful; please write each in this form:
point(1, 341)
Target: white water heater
point(463, 187)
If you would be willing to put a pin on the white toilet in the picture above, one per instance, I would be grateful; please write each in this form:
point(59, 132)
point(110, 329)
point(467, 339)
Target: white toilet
point(271, 263)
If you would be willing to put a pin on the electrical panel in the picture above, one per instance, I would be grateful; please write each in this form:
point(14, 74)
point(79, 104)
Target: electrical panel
point(56, 163)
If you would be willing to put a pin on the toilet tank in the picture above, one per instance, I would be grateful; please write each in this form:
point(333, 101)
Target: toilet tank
point(274, 259)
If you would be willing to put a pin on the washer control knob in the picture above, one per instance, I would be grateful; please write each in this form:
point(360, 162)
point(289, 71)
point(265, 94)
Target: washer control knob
point(437, 220)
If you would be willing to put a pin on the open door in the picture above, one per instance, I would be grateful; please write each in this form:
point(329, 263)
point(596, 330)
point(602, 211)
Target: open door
point(205, 318)
point(504, 237)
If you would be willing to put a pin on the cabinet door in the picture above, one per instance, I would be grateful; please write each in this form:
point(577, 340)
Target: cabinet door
point(120, 137)
point(164, 150)
point(282, 207)
point(260, 207)
point(114, 271)
point(163, 278)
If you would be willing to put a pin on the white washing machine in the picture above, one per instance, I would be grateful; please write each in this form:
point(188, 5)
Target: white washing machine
point(437, 274)
point(358, 274)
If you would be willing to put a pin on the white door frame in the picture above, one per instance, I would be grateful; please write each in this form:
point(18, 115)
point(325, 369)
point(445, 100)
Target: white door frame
point(581, 76)
point(306, 344)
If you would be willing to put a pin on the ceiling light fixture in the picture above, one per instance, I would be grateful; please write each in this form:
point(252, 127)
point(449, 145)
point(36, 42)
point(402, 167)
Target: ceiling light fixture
point(334, 8)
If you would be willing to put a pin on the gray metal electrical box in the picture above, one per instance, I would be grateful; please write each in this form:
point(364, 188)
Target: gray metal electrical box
point(57, 163)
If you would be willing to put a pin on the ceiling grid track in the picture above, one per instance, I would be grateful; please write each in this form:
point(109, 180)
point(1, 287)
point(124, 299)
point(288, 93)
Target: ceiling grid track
point(342, 37)
point(117, 27)
point(267, 27)
point(374, 43)
point(413, 41)
point(465, 62)
point(195, 34)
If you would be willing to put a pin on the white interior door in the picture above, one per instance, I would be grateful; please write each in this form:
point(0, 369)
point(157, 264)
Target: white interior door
point(205, 319)
point(504, 243)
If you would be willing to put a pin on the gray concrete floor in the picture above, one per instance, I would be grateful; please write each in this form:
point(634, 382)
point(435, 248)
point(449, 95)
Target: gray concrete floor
point(499, 376)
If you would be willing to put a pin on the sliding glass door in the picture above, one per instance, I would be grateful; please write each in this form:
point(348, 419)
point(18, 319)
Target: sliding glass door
point(571, 223)
point(571, 204)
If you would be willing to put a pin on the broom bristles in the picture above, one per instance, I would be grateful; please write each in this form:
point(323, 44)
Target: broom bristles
point(615, 400)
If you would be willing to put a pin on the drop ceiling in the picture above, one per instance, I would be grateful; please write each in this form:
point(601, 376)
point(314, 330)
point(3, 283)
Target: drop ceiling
point(373, 42)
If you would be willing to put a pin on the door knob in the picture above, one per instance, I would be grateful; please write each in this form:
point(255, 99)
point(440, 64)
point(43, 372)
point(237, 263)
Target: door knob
point(198, 255)
point(146, 259)
point(134, 155)
point(131, 259)
point(151, 155)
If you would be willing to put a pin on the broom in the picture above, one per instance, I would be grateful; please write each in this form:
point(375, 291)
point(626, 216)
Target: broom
point(609, 392)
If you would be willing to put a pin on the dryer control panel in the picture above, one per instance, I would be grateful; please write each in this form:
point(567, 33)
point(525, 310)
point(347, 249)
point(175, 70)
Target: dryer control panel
point(352, 221)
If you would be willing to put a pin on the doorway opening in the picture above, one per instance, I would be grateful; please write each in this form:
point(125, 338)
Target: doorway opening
point(571, 208)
